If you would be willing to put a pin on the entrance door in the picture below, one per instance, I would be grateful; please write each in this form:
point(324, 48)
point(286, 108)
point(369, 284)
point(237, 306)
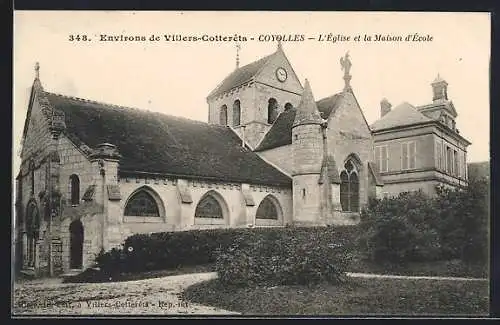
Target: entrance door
point(76, 244)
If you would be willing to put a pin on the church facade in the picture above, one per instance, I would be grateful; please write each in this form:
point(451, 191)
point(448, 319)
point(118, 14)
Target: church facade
point(271, 154)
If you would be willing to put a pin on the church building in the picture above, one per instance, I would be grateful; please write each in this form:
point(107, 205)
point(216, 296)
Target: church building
point(271, 155)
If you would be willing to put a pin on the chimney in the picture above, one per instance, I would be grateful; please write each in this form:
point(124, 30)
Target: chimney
point(385, 107)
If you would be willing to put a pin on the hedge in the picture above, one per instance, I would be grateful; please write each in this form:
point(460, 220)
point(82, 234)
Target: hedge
point(169, 250)
point(289, 256)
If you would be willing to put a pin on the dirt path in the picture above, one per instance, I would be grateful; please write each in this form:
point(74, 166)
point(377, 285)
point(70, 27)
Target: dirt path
point(150, 296)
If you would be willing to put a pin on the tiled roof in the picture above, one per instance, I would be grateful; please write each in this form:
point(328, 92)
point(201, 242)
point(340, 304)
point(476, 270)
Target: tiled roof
point(403, 114)
point(158, 143)
point(280, 133)
point(328, 105)
point(240, 76)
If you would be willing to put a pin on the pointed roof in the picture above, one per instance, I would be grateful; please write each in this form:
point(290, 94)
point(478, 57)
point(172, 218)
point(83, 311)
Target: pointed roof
point(241, 75)
point(439, 79)
point(403, 114)
point(307, 111)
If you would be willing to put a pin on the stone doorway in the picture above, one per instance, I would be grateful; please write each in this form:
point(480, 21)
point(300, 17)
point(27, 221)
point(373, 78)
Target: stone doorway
point(76, 245)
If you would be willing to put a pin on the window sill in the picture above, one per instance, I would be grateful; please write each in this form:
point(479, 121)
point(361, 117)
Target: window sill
point(209, 221)
point(138, 219)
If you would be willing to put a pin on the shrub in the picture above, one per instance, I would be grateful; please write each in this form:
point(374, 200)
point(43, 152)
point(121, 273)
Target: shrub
point(397, 230)
point(464, 221)
point(169, 250)
point(413, 227)
point(288, 256)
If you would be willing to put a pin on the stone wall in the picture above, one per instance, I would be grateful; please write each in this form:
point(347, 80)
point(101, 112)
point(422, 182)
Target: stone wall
point(349, 135)
point(176, 215)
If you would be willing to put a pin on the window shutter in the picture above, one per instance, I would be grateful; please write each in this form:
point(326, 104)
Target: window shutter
point(412, 154)
point(385, 159)
point(404, 156)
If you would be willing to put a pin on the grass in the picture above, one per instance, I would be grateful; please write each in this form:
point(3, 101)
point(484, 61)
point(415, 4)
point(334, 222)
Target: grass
point(451, 268)
point(357, 296)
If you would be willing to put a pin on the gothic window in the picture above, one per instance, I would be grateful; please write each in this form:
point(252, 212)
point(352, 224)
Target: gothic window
point(142, 204)
point(236, 112)
point(288, 106)
point(272, 110)
point(267, 210)
point(208, 207)
point(349, 188)
point(74, 189)
point(223, 115)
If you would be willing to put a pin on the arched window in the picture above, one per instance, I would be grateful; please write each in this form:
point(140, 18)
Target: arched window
point(349, 187)
point(288, 106)
point(267, 209)
point(223, 115)
point(209, 207)
point(236, 112)
point(272, 110)
point(74, 189)
point(142, 204)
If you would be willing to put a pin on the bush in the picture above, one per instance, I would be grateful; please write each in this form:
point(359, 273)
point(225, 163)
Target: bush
point(170, 250)
point(397, 230)
point(464, 221)
point(287, 256)
point(415, 228)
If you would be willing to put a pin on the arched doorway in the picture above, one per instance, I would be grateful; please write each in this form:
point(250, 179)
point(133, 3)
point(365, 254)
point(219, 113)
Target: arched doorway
point(76, 244)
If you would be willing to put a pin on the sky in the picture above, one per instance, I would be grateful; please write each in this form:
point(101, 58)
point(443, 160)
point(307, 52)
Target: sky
point(175, 77)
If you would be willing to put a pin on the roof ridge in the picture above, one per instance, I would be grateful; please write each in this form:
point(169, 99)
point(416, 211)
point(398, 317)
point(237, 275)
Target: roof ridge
point(133, 108)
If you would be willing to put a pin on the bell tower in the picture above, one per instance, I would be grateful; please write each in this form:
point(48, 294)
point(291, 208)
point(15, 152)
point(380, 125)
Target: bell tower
point(250, 99)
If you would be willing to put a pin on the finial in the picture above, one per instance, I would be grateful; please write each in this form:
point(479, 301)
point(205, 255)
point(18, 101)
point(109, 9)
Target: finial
point(345, 64)
point(280, 46)
point(238, 48)
point(37, 70)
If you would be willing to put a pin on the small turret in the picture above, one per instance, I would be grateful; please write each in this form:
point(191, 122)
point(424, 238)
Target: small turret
point(307, 111)
point(439, 89)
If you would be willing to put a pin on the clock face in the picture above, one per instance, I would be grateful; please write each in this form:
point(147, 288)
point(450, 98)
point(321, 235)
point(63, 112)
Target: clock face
point(281, 74)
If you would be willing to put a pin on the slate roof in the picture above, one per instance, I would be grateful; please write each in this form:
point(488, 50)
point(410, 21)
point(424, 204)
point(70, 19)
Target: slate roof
point(403, 114)
point(240, 76)
point(280, 133)
point(158, 143)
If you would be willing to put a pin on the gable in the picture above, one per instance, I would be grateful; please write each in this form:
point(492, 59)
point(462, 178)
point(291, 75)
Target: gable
point(240, 76)
point(36, 135)
point(348, 118)
point(267, 74)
